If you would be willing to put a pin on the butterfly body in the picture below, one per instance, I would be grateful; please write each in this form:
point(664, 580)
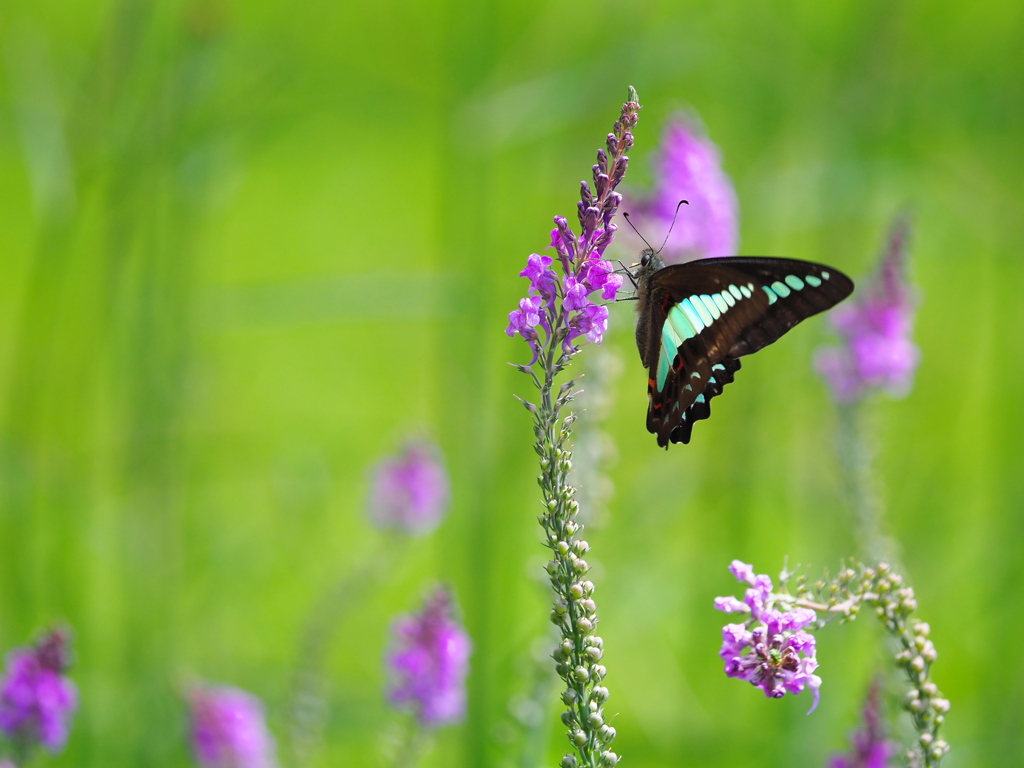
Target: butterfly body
point(695, 320)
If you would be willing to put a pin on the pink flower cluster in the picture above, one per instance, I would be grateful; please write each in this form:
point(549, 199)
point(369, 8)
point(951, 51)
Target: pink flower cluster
point(875, 350)
point(689, 167)
point(37, 701)
point(550, 292)
point(229, 729)
point(561, 304)
point(410, 491)
point(770, 650)
point(429, 662)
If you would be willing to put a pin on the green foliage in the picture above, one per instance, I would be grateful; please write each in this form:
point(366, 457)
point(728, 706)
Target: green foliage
point(248, 247)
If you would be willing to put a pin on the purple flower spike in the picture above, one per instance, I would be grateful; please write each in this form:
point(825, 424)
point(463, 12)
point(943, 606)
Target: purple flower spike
point(870, 747)
point(410, 490)
point(875, 350)
point(567, 310)
point(229, 729)
point(429, 662)
point(689, 168)
point(36, 700)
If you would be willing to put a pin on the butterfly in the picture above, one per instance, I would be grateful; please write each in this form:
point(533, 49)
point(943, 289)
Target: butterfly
point(695, 320)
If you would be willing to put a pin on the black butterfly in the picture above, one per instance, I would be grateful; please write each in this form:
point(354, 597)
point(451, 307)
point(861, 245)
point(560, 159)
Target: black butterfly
point(695, 320)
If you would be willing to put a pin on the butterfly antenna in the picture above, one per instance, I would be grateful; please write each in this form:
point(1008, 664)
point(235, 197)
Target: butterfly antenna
point(629, 221)
point(670, 226)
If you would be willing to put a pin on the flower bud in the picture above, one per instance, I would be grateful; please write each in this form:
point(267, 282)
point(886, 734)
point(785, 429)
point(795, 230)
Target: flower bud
point(563, 548)
point(926, 740)
point(569, 761)
point(940, 705)
point(568, 719)
point(576, 590)
point(581, 673)
point(595, 720)
point(581, 547)
point(917, 664)
point(588, 588)
point(579, 738)
point(583, 624)
point(608, 759)
point(930, 689)
point(571, 527)
point(600, 694)
point(568, 697)
point(607, 734)
point(922, 628)
point(589, 606)
point(600, 671)
point(594, 654)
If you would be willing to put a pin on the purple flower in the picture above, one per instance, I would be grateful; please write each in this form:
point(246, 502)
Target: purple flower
point(870, 747)
point(567, 309)
point(429, 662)
point(771, 650)
point(36, 699)
point(410, 491)
point(875, 350)
point(689, 168)
point(229, 729)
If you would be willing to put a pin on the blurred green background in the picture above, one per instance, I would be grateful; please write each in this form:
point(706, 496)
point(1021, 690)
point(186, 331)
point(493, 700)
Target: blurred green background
point(248, 248)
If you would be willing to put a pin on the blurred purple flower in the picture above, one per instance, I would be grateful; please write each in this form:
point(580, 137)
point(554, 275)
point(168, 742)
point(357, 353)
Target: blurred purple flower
point(410, 491)
point(771, 650)
point(689, 168)
point(875, 350)
point(429, 662)
point(36, 700)
point(870, 747)
point(229, 729)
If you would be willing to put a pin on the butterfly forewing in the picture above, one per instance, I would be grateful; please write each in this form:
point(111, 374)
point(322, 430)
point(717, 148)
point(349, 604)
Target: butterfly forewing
point(697, 318)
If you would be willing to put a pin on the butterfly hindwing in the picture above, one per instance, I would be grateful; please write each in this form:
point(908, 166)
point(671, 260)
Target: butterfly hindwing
point(697, 318)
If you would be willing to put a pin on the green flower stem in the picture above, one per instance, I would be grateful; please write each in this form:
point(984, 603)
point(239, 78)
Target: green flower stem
point(574, 612)
point(578, 655)
point(894, 603)
point(857, 459)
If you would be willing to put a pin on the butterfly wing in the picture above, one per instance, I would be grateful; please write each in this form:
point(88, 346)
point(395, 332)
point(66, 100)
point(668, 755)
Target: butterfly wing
point(703, 315)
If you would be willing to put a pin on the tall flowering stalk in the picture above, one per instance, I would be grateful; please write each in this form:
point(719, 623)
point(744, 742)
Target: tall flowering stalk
point(409, 493)
point(554, 319)
point(765, 649)
point(875, 353)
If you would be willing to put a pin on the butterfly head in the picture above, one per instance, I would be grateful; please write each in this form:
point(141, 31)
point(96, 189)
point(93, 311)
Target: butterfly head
point(650, 262)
